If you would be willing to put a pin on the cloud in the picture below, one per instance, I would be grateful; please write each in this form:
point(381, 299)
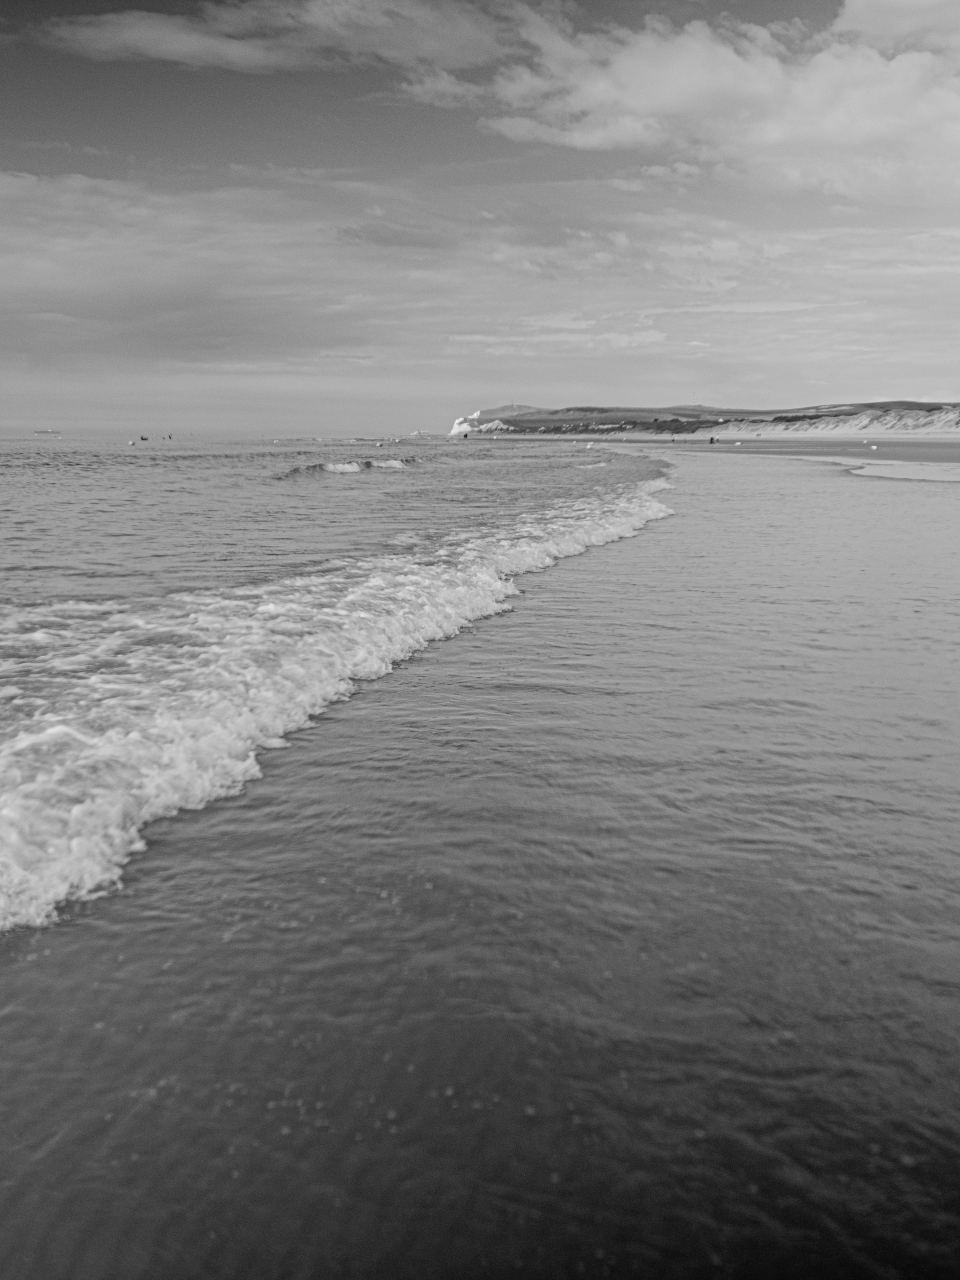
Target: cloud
point(273, 35)
point(291, 276)
point(902, 24)
point(171, 38)
point(113, 269)
point(564, 340)
point(291, 266)
point(870, 105)
point(833, 110)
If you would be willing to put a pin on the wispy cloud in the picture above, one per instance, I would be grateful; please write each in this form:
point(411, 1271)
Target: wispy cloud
point(291, 277)
point(564, 333)
point(272, 35)
point(115, 270)
point(302, 268)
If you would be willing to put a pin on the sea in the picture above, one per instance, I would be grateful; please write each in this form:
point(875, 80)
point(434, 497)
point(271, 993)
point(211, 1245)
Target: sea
point(485, 857)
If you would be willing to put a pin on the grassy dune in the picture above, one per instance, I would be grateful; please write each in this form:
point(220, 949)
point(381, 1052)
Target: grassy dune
point(910, 416)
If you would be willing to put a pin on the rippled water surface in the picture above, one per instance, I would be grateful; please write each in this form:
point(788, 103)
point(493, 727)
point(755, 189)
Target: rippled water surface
point(196, 608)
point(616, 935)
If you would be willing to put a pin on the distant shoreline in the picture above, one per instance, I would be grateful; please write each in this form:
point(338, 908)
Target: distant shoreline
point(908, 418)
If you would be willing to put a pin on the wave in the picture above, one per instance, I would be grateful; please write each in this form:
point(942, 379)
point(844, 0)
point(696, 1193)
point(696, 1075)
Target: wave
point(130, 712)
point(349, 468)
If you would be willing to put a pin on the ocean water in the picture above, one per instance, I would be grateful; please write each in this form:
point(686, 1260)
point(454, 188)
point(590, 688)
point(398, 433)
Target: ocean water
point(169, 614)
point(615, 934)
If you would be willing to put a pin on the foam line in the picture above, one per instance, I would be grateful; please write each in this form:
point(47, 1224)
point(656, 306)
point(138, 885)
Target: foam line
point(118, 714)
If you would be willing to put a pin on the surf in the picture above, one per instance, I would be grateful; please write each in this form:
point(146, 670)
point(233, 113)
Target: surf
point(122, 712)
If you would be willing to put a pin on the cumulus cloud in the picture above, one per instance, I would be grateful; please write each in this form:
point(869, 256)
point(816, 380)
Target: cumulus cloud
point(893, 24)
point(841, 110)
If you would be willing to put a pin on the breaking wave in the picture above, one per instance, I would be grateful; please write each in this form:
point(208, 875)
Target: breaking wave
point(120, 713)
point(348, 468)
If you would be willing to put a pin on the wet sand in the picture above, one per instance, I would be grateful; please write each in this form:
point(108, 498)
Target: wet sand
point(899, 449)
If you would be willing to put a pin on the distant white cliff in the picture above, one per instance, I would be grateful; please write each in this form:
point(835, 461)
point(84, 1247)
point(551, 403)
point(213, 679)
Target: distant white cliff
point(472, 426)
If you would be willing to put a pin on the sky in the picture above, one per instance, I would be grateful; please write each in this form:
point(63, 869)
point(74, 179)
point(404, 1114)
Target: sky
point(322, 217)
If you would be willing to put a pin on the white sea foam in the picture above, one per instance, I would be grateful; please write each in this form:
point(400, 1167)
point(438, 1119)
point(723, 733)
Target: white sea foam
point(117, 714)
point(353, 467)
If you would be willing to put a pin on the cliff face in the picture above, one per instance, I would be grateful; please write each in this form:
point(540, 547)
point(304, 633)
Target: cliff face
point(934, 419)
point(471, 427)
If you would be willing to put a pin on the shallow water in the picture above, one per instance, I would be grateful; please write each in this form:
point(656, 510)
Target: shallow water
point(171, 615)
point(616, 935)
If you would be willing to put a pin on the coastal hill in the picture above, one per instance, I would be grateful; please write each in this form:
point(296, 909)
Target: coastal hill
point(902, 416)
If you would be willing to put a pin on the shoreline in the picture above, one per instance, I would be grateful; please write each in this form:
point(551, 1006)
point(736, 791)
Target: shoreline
point(903, 448)
point(886, 459)
point(727, 434)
